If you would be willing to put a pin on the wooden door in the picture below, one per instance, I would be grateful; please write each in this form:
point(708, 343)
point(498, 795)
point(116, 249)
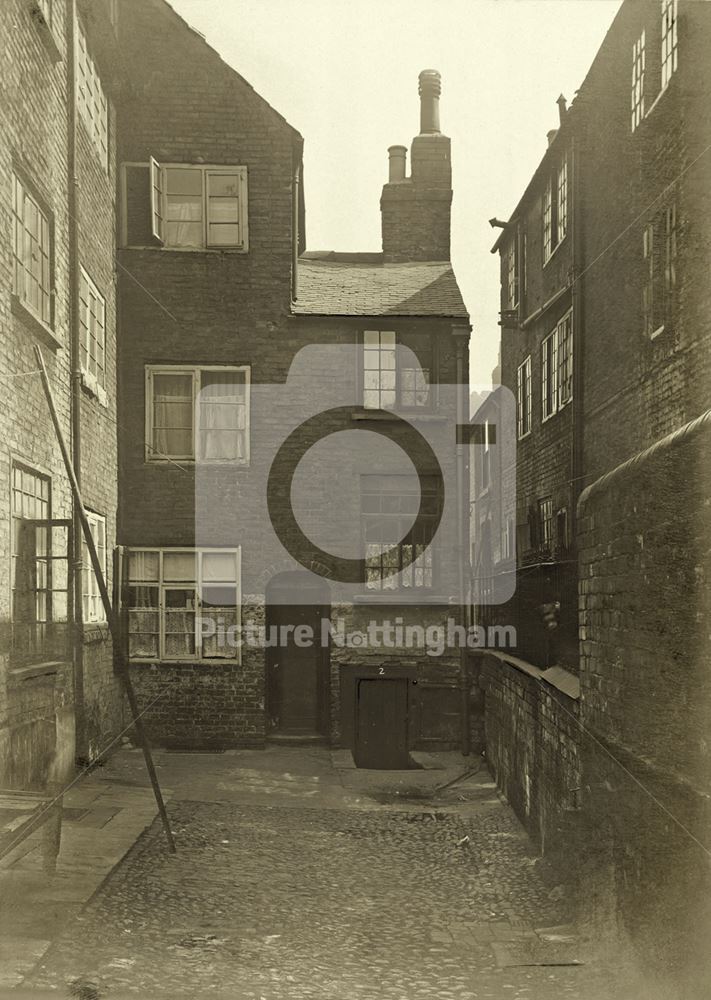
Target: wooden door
point(382, 723)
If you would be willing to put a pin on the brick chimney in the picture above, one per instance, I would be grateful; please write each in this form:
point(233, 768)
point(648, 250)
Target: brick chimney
point(416, 210)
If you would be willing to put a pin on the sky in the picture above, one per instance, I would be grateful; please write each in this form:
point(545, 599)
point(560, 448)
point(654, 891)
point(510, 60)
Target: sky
point(344, 73)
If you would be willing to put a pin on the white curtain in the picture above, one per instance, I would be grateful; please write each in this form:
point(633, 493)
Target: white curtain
point(222, 418)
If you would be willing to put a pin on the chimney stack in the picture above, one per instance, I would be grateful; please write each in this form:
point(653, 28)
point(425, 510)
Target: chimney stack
point(430, 89)
point(416, 210)
point(398, 159)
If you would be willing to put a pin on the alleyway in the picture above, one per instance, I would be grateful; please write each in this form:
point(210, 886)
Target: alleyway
point(299, 877)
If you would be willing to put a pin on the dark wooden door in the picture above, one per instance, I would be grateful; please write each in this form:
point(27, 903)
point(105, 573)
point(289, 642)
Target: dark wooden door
point(381, 723)
point(296, 671)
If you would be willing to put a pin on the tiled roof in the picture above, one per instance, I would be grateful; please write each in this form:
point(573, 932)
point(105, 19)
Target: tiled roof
point(335, 284)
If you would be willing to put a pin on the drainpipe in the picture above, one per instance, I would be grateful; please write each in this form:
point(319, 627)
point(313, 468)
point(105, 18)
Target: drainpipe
point(295, 232)
point(75, 365)
point(461, 337)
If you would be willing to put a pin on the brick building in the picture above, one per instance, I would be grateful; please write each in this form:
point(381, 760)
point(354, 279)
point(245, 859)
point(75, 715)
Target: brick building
point(218, 301)
point(605, 340)
point(58, 694)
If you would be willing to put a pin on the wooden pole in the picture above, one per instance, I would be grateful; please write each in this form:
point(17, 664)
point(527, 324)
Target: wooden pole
point(111, 617)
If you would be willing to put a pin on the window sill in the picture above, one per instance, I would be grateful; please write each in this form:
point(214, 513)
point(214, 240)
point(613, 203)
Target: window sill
point(133, 662)
point(409, 415)
point(92, 388)
point(48, 669)
point(403, 597)
point(37, 326)
point(199, 463)
point(208, 250)
point(45, 32)
point(554, 251)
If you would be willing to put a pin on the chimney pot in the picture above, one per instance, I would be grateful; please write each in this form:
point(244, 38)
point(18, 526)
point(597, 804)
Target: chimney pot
point(430, 88)
point(398, 157)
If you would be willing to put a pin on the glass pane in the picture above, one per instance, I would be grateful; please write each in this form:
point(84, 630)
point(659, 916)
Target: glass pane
point(178, 566)
point(183, 234)
point(223, 235)
point(143, 566)
point(224, 185)
point(179, 208)
point(219, 566)
point(183, 180)
point(371, 338)
point(223, 210)
point(214, 598)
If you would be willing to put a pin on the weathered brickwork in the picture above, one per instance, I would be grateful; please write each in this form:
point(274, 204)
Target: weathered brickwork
point(38, 703)
point(532, 747)
point(644, 600)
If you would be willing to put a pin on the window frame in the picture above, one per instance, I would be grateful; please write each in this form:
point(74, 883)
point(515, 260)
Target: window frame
point(660, 237)
point(669, 45)
point(398, 406)
point(21, 267)
point(524, 380)
point(90, 593)
point(367, 487)
point(92, 102)
point(196, 372)
point(639, 63)
point(197, 585)
point(158, 193)
point(552, 400)
point(546, 519)
point(91, 380)
point(556, 196)
point(513, 273)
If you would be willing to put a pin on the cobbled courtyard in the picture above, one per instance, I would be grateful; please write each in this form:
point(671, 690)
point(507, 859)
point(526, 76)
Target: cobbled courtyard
point(307, 902)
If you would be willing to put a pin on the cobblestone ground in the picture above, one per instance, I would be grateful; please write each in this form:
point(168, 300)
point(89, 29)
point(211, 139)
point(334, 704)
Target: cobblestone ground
point(325, 904)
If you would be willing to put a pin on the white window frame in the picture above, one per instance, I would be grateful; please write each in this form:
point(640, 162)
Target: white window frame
point(88, 291)
point(670, 40)
point(524, 399)
point(555, 209)
point(158, 186)
point(195, 371)
point(512, 273)
point(92, 605)
point(639, 60)
point(198, 583)
point(385, 344)
point(91, 99)
point(31, 250)
point(557, 368)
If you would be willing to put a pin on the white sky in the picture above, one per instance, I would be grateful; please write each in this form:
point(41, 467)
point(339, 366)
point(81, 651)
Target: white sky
point(344, 73)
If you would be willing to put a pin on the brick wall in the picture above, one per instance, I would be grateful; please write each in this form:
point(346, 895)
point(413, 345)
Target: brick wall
point(532, 747)
point(646, 696)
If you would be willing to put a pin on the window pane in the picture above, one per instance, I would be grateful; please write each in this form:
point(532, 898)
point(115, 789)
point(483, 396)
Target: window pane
point(183, 180)
point(179, 566)
point(172, 414)
point(223, 210)
point(223, 235)
point(183, 234)
point(143, 565)
point(222, 416)
point(219, 566)
point(224, 186)
point(179, 208)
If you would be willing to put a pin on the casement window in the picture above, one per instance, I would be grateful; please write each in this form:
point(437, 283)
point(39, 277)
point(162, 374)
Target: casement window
point(39, 573)
point(389, 505)
point(638, 68)
point(391, 378)
point(91, 99)
point(92, 605)
point(31, 242)
point(184, 206)
point(545, 523)
point(659, 254)
point(557, 367)
point(184, 604)
point(512, 274)
point(485, 452)
point(197, 414)
point(523, 399)
point(92, 332)
point(669, 52)
point(555, 210)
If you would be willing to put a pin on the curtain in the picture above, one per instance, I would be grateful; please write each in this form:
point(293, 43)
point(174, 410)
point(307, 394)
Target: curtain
point(222, 417)
point(172, 415)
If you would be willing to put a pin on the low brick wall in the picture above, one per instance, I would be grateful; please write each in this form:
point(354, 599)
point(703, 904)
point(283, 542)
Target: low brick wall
point(532, 746)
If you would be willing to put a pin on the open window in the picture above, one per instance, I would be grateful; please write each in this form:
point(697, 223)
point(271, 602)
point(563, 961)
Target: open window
point(185, 206)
